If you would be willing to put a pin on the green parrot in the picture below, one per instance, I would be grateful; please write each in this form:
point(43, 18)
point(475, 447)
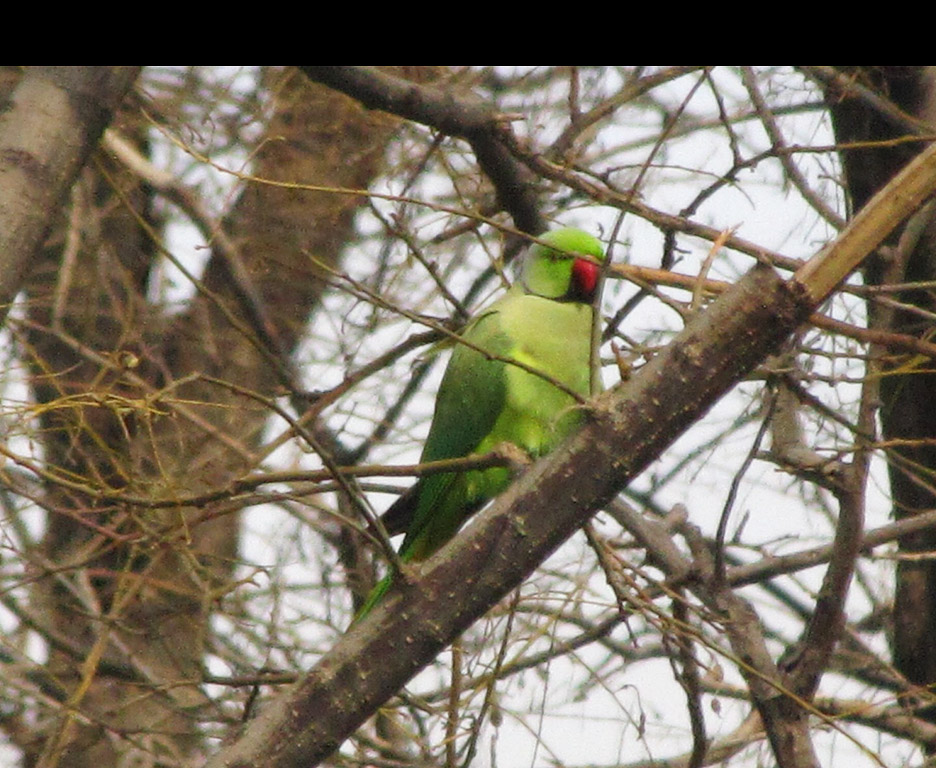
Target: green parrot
point(544, 322)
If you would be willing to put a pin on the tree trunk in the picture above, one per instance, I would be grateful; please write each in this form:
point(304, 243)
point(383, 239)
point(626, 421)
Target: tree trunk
point(907, 388)
point(135, 400)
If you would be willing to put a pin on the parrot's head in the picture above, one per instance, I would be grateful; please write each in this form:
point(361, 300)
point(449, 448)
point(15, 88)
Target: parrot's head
point(566, 269)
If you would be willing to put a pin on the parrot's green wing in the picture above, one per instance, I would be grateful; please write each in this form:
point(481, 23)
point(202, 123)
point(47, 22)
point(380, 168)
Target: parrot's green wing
point(467, 403)
point(471, 397)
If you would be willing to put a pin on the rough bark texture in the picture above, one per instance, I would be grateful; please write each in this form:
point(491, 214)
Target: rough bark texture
point(126, 404)
point(51, 121)
point(908, 388)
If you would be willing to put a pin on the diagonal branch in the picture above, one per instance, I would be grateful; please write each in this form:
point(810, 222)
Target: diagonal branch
point(468, 119)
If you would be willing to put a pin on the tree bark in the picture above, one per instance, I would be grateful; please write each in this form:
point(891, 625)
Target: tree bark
point(889, 104)
point(52, 124)
point(139, 400)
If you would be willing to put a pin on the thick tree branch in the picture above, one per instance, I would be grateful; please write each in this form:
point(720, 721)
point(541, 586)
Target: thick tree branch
point(471, 120)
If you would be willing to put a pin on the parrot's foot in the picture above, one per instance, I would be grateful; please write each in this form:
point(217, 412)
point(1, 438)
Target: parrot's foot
point(624, 363)
point(517, 459)
point(409, 573)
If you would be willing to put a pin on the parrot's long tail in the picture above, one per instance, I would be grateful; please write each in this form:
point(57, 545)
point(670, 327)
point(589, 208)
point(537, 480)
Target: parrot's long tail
point(373, 598)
